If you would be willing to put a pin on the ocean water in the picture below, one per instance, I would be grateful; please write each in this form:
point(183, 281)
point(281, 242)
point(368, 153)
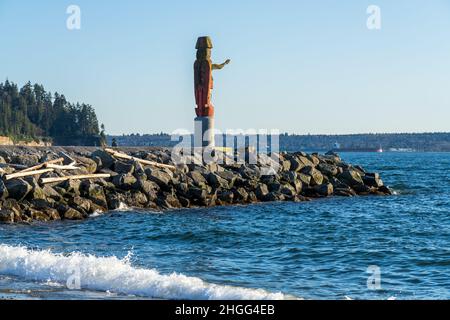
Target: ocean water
point(312, 250)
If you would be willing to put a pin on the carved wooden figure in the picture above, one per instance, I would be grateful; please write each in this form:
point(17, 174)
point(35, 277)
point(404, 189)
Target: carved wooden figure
point(203, 79)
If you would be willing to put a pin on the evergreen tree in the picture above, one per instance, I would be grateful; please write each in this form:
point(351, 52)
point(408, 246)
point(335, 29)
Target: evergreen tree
point(32, 112)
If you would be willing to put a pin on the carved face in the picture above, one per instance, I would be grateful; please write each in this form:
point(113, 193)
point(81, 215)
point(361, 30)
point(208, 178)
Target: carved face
point(204, 54)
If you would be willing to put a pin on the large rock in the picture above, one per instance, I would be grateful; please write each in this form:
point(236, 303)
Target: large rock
point(351, 177)
point(241, 194)
point(226, 196)
point(18, 189)
point(316, 175)
point(324, 189)
point(72, 214)
point(217, 182)
point(304, 179)
point(288, 190)
point(124, 181)
point(229, 176)
point(149, 188)
point(71, 187)
point(261, 191)
point(372, 180)
point(328, 169)
point(95, 193)
point(89, 165)
point(198, 178)
point(124, 167)
point(38, 215)
point(6, 216)
point(107, 161)
point(51, 193)
point(160, 177)
point(81, 204)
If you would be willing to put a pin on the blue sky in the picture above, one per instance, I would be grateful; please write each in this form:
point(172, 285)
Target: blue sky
point(297, 66)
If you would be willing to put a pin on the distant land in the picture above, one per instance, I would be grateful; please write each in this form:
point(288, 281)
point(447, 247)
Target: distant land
point(402, 142)
point(33, 116)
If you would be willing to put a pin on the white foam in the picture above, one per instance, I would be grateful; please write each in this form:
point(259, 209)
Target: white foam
point(123, 207)
point(113, 275)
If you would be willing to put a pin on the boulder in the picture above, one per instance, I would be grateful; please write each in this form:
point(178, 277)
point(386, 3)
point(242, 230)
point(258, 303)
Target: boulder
point(225, 196)
point(160, 177)
point(328, 169)
point(217, 182)
point(124, 167)
point(6, 216)
point(81, 204)
point(274, 196)
point(290, 176)
point(298, 185)
point(18, 188)
point(72, 214)
point(95, 193)
point(385, 190)
point(372, 180)
point(38, 215)
point(71, 187)
point(240, 194)
point(51, 193)
point(36, 192)
point(229, 176)
point(198, 179)
point(304, 179)
point(344, 192)
point(139, 171)
point(89, 165)
point(285, 165)
point(124, 181)
point(316, 175)
point(149, 188)
point(324, 189)
point(107, 161)
point(261, 191)
point(168, 201)
point(351, 177)
point(288, 190)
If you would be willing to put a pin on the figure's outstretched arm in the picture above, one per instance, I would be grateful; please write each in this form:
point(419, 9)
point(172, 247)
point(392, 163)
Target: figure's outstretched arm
point(220, 66)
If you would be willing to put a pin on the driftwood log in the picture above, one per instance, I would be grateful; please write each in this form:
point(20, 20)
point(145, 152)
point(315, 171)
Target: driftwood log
point(27, 173)
point(42, 165)
point(121, 155)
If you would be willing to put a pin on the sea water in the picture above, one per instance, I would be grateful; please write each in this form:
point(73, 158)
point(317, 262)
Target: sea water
point(373, 247)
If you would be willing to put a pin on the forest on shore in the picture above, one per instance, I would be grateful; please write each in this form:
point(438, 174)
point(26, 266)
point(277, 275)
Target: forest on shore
point(31, 112)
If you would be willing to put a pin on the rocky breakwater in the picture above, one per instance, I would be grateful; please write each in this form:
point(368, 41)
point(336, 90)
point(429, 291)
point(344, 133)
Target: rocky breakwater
point(41, 197)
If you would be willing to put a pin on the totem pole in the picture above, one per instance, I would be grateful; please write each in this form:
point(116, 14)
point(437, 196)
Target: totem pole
point(203, 67)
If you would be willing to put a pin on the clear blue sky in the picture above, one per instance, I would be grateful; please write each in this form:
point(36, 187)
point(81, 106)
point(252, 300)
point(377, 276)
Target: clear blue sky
point(297, 66)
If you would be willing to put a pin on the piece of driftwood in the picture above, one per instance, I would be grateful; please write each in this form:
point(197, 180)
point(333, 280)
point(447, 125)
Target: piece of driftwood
point(43, 164)
point(77, 177)
point(62, 167)
point(121, 155)
point(27, 173)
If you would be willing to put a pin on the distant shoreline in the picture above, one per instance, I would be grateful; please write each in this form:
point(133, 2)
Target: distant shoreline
point(389, 142)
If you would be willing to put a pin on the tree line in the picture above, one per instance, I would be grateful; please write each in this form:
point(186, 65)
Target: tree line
point(32, 112)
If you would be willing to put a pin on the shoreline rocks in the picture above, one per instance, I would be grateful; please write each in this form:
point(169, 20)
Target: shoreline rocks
point(301, 177)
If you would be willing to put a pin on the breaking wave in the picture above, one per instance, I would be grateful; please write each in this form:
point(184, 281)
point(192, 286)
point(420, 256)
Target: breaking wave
point(111, 274)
